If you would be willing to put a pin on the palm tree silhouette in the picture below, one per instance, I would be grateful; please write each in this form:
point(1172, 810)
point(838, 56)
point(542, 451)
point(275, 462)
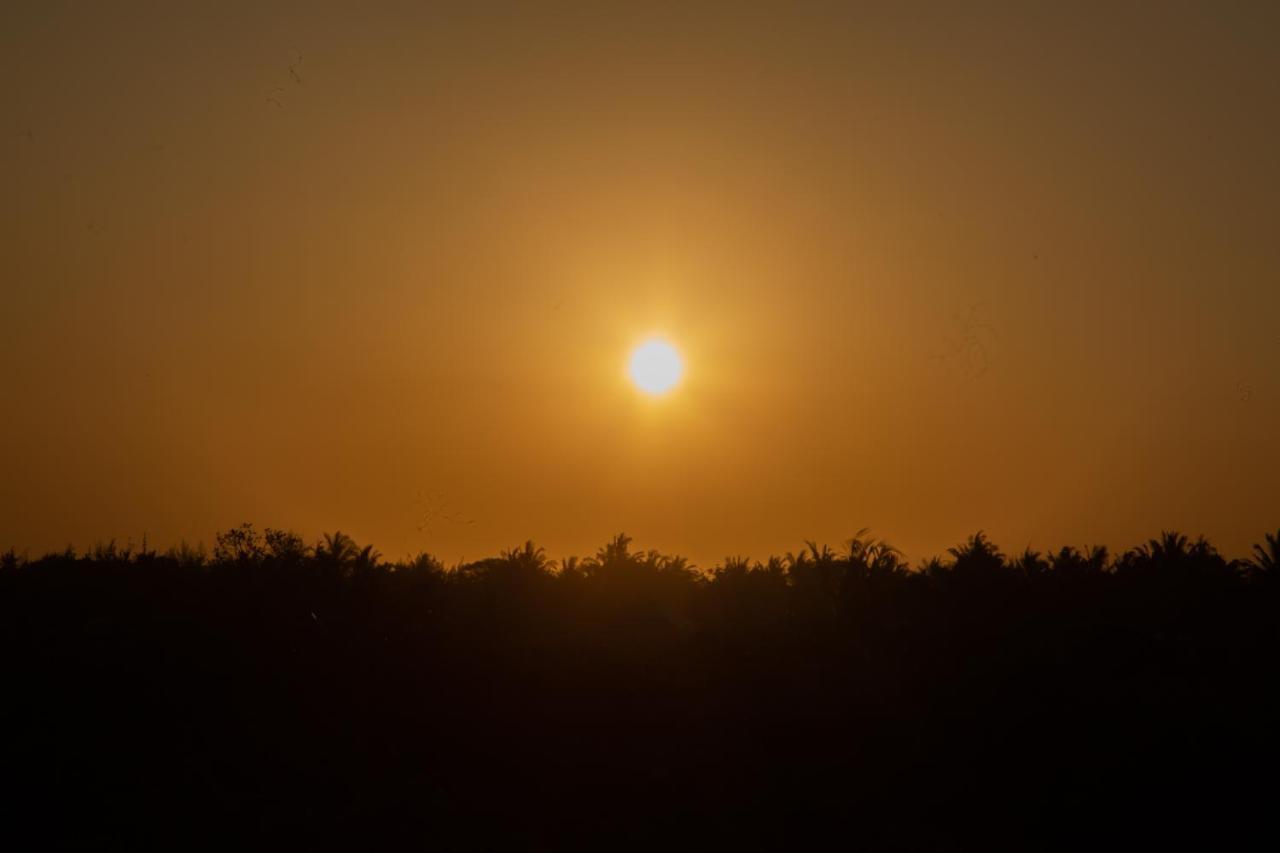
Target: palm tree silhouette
point(1171, 546)
point(1266, 561)
point(337, 547)
point(977, 559)
point(521, 565)
point(870, 558)
point(337, 554)
point(1069, 562)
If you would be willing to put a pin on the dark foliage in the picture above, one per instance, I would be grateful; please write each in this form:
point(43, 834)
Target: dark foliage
point(275, 694)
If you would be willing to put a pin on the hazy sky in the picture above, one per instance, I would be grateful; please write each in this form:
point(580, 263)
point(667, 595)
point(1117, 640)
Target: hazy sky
point(377, 267)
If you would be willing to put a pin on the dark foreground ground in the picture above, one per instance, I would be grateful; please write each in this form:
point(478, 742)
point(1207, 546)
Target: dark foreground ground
point(298, 698)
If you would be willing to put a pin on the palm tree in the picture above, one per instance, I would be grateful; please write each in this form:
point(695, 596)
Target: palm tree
point(978, 558)
point(337, 554)
point(527, 561)
point(1029, 564)
point(1174, 556)
point(616, 563)
point(1070, 562)
point(336, 547)
point(816, 577)
point(366, 560)
point(1266, 561)
point(1170, 546)
point(569, 568)
point(422, 565)
point(616, 552)
point(732, 568)
point(872, 558)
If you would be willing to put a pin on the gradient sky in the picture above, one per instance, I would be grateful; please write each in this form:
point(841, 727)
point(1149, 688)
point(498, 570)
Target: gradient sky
point(933, 267)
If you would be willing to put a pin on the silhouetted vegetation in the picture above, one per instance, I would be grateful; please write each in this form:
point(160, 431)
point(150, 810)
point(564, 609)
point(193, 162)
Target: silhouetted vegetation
point(275, 693)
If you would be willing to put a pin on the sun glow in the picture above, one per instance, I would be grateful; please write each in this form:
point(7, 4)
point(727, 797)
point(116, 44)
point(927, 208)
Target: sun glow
point(655, 366)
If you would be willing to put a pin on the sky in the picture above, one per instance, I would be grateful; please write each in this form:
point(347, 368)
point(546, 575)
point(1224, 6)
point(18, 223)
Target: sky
point(378, 267)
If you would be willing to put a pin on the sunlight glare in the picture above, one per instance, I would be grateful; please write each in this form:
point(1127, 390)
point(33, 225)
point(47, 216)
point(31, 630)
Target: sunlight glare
point(655, 366)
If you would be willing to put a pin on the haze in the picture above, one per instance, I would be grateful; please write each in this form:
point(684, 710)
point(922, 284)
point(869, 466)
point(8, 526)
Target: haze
point(378, 267)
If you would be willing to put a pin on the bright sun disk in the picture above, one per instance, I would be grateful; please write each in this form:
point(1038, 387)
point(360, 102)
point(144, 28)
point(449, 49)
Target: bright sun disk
point(655, 366)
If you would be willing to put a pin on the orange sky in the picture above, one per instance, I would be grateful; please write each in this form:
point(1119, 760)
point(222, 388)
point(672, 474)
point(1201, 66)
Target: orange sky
point(933, 270)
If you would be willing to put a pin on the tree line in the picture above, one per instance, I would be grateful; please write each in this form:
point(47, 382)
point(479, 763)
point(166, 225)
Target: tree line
point(309, 693)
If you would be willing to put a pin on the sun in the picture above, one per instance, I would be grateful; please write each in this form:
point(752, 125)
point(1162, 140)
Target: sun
point(655, 366)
